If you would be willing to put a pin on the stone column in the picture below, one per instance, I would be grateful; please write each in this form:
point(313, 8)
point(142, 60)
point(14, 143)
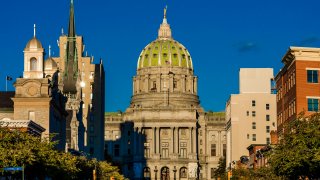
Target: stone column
point(183, 83)
point(158, 83)
point(171, 148)
point(194, 140)
point(138, 85)
point(176, 143)
point(190, 140)
point(153, 145)
point(133, 85)
point(195, 85)
point(171, 82)
point(219, 144)
point(146, 83)
point(157, 133)
point(191, 84)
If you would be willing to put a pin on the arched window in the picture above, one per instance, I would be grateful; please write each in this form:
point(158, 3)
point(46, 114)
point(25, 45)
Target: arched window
point(146, 173)
point(183, 172)
point(33, 64)
point(165, 173)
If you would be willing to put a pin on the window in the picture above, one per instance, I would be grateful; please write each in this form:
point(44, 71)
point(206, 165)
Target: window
point(268, 140)
point(312, 76)
point(254, 138)
point(268, 129)
point(213, 150)
point(183, 172)
point(146, 173)
point(154, 55)
point(33, 64)
point(267, 106)
point(200, 141)
point(154, 85)
point(116, 150)
point(248, 136)
point(174, 84)
point(313, 104)
point(32, 115)
point(146, 152)
point(212, 173)
point(253, 103)
point(253, 125)
point(91, 96)
point(165, 150)
point(247, 113)
point(253, 113)
point(91, 75)
point(268, 117)
point(183, 152)
point(91, 128)
point(224, 150)
point(201, 152)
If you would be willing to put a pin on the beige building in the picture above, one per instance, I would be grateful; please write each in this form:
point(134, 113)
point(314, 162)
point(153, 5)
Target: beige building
point(250, 115)
point(164, 133)
point(64, 95)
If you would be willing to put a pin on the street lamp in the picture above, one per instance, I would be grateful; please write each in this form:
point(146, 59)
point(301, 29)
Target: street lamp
point(174, 172)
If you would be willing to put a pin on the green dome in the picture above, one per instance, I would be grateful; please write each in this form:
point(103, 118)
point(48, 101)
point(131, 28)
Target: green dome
point(164, 52)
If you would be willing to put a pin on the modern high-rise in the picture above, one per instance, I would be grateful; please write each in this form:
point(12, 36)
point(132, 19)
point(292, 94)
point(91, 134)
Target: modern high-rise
point(164, 133)
point(251, 114)
point(298, 84)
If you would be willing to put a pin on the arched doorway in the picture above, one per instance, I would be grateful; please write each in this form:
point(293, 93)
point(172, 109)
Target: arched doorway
point(183, 173)
point(146, 173)
point(165, 173)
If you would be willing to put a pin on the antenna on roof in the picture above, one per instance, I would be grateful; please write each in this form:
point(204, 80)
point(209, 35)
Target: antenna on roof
point(34, 30)
point(49, 50)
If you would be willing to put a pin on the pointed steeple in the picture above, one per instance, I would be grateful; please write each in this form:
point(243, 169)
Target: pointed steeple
point(72, 28)
point(71, 61)
point(164, 30)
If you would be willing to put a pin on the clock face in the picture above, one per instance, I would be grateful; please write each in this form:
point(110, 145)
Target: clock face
point(32, 91)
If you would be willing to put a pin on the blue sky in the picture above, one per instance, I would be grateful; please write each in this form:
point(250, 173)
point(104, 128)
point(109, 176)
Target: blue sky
point(222, 36)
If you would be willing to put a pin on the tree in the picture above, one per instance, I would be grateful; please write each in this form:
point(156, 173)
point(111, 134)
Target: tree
point(221, 170)
point(298, 153)
point(41, 160)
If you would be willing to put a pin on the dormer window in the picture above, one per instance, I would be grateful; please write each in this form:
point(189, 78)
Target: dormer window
point(154, 55)
point(175, 55)
point(33, 64)
point(164, 55)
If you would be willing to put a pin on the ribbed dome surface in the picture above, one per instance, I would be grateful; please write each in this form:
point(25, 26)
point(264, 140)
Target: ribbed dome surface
point(34, 43)
point(164, 52)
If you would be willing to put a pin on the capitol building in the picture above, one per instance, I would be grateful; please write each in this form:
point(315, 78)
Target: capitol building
point(165, 133)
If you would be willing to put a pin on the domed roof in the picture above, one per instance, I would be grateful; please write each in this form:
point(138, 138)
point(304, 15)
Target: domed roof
point(50, 64)
point(34, 43)
point(165, 52)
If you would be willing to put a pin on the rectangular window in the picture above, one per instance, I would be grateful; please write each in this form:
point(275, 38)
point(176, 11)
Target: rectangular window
point(268, 117)
point(268, 140)
point(183, 152)
point(91, 75)
point(267, 106)
point(254, 138)
point(247, 113)
point(213, 150)
point(268, 129)
point(253, 103)
point(224, 150)
point(312, 76)
point(253, 125)
point(164, 153)
point(146, 152)
point(248, 136)
point(313, 104)
point(253, 113)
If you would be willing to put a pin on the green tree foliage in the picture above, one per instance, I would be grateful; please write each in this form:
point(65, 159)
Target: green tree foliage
point(41, 160)
point(221, 170)
point(263, 173)
point(297, 154)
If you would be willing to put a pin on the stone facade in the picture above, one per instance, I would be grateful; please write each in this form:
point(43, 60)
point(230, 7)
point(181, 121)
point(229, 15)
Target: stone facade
point(158, 135)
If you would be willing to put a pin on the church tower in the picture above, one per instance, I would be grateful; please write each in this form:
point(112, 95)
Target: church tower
point(33, 58)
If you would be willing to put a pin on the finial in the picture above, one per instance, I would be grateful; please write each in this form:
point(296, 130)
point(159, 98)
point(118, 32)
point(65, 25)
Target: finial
point(34, 30)
point(62, 31)
point(49, 50)
point(165, 12)
point(71, 1)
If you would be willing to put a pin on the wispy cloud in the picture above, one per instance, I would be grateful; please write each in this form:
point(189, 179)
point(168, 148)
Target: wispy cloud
point(244, 47)
point(309, 41)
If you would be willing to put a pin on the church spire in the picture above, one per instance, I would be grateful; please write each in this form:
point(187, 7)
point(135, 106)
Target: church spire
point(72, 29)
point(71, 61)
point(164, 30)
